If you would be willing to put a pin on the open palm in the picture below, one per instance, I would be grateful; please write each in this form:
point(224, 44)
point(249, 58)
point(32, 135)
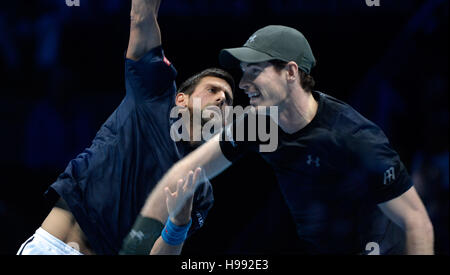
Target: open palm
point(179, 203)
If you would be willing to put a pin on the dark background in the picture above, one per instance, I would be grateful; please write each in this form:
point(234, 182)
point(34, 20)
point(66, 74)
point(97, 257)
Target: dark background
point(62, 72)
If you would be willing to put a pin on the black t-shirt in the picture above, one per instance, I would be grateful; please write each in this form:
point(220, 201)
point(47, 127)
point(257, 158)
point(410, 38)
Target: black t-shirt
point(106, 186)
point(332, 174)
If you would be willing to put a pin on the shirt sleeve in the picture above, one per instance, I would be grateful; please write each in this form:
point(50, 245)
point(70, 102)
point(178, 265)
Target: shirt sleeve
point(150, 76)
point(385, 174)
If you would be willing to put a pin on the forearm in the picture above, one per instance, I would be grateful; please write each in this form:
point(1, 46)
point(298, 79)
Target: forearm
point(155, 206)
point(420, 240)
point(408, 212)
point(163, 248)
point(208, 156)
point(144, 30)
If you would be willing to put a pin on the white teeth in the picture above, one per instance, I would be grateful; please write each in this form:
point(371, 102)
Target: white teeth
point(250, 95)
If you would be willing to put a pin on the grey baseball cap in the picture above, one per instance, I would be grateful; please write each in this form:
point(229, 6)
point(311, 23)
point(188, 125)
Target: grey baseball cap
point(273, 42)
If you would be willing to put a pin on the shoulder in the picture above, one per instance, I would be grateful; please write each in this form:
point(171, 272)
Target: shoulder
point(347, 125)
point(154, 56)
point(346, 119)
point(150, 76)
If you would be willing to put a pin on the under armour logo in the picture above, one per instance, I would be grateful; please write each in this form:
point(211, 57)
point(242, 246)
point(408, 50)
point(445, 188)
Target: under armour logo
point(310, 160)
point(251, 39)
point(389, 176)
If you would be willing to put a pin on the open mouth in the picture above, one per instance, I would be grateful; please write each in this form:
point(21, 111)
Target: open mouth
point(253, 95)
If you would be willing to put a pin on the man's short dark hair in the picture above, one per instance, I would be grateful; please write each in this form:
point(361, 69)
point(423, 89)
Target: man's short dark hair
point(306, 81)
point(191, 83)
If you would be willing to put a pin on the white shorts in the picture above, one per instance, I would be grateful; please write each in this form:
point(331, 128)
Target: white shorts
point(43, 243)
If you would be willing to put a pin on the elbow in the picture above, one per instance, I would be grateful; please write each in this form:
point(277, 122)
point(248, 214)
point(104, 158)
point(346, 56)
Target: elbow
point(420, 238)
point(428, 229)
point(420, 224)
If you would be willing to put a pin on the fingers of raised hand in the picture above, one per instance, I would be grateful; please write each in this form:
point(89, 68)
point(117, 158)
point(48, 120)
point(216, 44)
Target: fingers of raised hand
point(198, 173)
point(180, 184)
point(188, 181)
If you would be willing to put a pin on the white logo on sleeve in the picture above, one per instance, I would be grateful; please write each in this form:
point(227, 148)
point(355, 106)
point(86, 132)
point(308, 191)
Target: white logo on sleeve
point(200, 219)
point(137, 234)
point(389, 176)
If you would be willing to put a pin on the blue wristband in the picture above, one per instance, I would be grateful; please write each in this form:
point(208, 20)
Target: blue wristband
point(173, 234)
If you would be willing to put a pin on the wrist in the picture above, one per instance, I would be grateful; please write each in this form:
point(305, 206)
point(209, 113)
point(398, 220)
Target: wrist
point(180, 221)
point(173, 234)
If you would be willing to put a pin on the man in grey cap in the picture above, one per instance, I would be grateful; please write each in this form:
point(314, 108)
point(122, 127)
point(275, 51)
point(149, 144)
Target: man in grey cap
point(346, 187)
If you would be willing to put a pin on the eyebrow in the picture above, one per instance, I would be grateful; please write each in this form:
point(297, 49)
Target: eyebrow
point(257, 64)
point(228, 93)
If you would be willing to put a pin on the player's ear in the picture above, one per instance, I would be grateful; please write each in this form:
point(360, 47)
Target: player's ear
point(292, 72)
point(182, 100)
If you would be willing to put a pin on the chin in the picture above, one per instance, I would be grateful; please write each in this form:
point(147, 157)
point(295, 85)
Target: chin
point(213, 121)
point(260, 104)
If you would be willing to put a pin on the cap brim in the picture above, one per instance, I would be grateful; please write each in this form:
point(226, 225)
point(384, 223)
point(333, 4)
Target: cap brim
point(231, 58)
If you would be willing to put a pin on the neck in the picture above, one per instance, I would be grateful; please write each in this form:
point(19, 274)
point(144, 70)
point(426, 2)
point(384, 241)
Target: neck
point(194, 144)
point(297, 111)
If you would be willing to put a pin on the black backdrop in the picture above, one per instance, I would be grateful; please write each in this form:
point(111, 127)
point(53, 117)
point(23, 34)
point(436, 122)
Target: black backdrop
point(62, 75)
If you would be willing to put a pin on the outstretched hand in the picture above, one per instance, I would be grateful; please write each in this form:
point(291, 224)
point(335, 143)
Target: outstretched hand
point(179, 203)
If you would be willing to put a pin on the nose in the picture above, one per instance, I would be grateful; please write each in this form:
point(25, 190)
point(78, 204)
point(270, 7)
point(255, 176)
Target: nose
point(220, 98)
point(243, 84)
point(246, 81)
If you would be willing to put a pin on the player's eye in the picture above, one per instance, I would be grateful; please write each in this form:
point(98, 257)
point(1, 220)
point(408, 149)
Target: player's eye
point(255, 70)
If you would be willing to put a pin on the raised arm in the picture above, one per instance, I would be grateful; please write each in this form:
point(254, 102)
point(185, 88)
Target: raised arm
point(144, 30)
